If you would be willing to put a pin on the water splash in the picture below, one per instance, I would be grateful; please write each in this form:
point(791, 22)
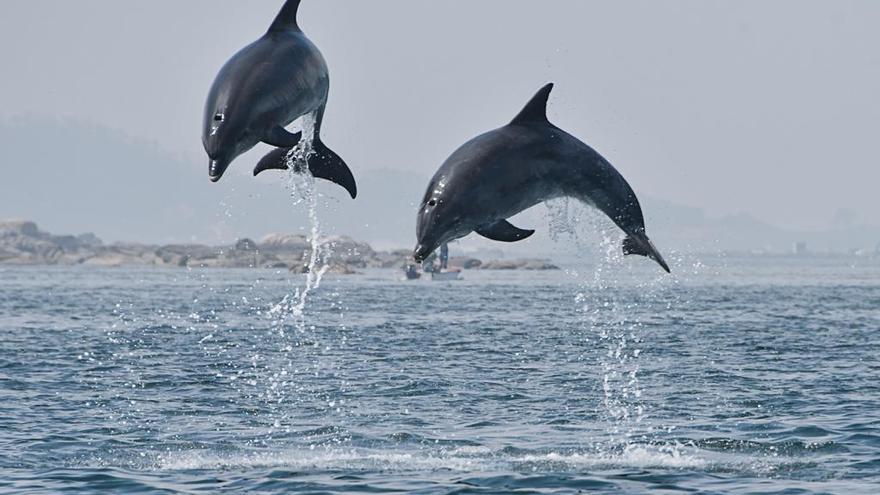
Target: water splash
point(300, 356)
point(316, 264)
point(301, 187)
point(605, 307)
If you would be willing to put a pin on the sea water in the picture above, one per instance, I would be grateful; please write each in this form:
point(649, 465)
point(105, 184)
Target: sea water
point(747, 375)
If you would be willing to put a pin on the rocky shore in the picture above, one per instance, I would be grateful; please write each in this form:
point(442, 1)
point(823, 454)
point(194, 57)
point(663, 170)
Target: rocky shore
point(23, 243)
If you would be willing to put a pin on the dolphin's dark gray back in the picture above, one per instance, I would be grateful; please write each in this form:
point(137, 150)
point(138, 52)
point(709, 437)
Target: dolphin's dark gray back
point(264, 88)
point(576, 168)
point(581, 172)
point(529, 161)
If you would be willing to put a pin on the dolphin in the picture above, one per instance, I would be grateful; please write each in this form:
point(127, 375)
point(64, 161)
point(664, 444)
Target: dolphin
point(501, 173)
point(264, 88)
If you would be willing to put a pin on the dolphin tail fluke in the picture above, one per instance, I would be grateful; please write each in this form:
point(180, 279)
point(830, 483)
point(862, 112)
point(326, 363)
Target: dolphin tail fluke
point(642, 246)
point(323, 164)
point(327, 165)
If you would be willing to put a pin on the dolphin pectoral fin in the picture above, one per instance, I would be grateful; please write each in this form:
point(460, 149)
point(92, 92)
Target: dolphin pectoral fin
point(640, 245)
point(281, 137)
point(275, 160)
point(504, 231)
point(327, 165)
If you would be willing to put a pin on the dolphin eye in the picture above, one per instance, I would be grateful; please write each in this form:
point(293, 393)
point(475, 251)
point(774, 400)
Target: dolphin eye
point(432, 203)
point(219, 117)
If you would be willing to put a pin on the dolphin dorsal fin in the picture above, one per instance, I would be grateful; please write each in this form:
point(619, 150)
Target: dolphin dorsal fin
point(536, 108)
point(287, 17)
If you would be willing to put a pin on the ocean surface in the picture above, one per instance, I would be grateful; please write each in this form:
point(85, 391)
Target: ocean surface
point(734, 375)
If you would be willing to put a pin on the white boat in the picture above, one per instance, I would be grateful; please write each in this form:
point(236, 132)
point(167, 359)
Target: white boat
point(446, 275)
point(443, 273)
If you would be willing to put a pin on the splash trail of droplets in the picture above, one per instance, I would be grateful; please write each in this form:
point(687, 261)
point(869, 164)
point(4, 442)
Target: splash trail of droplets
point(301, 187)
point(606, 316)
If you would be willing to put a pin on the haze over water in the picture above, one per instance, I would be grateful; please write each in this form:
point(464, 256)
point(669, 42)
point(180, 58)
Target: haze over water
point(735, 376)
point(748, 375)
point(733, 107)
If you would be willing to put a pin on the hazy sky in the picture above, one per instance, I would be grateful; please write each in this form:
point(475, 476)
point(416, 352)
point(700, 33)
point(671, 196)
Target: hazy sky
point(765, 107)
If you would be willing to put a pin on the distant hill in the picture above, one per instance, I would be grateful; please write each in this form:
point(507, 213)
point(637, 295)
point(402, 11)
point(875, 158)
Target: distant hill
point(74, 177)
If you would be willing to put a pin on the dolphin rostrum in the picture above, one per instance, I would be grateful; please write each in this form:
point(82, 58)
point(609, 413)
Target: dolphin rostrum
point(501, 173)
point(264, 88)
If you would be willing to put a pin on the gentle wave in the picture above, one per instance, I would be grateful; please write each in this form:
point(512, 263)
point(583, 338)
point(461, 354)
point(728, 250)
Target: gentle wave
point(473, 459)
point(150, 381)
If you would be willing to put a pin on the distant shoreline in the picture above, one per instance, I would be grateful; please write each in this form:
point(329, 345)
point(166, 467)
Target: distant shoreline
point(22, 243)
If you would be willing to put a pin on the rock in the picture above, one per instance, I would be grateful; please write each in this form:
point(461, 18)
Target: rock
point(538, 265)
point(299, 269)
point(67, 242)
point(19, 227)
point(23, 243)
point(525, 264)
point(284, 242)
point(335, 269)
point(89, 240)
point(341, 269)
point(107, 260)
point(192, 255)
point(465, 263)
point(394, 259)
point(349, 252)
point(245, 245)
point(500, 265)
point(6, 255)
